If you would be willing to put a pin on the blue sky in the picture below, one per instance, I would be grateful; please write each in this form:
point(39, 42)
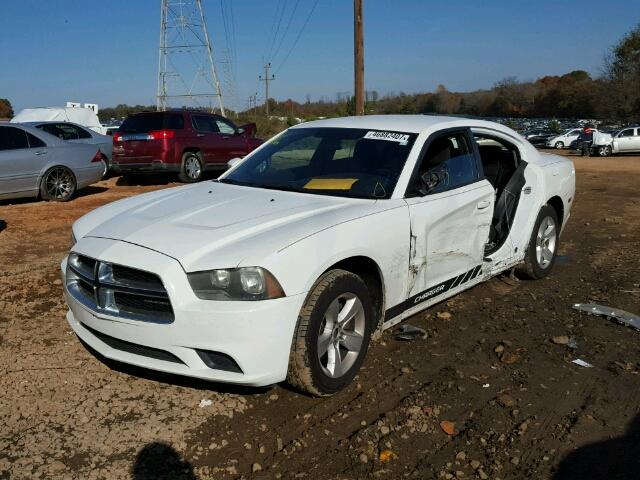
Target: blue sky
point(106, 51)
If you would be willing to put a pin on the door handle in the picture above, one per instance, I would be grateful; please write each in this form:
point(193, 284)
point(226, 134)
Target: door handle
point(199, 134)
point(483, 204)
point(40, 152)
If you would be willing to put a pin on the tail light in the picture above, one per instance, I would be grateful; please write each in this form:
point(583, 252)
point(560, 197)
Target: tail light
point(97, 157)
point(117, 137)
point(161, 134)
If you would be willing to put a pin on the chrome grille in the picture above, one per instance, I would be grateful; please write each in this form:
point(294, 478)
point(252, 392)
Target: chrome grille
point(118, 290)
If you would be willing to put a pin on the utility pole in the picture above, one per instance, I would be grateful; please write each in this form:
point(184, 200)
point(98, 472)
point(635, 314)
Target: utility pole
point(358, 47)
point(266, 79)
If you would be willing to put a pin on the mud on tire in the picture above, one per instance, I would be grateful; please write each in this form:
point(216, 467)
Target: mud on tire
point(306, 371)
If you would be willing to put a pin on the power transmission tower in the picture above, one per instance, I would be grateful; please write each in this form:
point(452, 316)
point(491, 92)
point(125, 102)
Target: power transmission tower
point(266, 79)
point(253, 103)
point(186, 70)
point(358, 45)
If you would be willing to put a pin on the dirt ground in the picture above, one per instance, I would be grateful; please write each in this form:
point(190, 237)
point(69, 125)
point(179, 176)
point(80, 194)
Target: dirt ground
point(518, 408)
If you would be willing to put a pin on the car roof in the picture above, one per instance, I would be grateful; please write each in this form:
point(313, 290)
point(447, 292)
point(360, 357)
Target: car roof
point(403, 123)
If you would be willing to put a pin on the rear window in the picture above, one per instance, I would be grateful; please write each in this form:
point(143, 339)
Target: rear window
point(144, 123)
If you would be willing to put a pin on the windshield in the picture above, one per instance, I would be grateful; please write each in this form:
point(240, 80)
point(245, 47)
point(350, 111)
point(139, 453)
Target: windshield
point(345, 162)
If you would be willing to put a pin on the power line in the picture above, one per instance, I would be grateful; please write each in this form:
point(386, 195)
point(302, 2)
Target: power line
point(275, 36)
point(273, 28)
point(299, 35)
point(286, 30)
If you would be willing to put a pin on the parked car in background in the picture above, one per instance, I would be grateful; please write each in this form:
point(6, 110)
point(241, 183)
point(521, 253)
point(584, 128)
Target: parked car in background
point(74, 133)
point(538, 138)
point(284, 266)
point(34, 163)
point(183, 141)
point(111, 129)
point(564, 139)
point(626, 140)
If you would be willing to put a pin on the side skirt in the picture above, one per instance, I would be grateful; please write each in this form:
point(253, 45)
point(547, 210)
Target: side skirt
point(441, 292)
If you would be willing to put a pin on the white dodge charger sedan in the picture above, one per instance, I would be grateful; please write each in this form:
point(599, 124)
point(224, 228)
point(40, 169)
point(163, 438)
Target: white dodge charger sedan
point(285, 266)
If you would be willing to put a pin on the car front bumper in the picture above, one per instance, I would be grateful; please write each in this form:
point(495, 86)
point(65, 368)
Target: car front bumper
point(256, 335)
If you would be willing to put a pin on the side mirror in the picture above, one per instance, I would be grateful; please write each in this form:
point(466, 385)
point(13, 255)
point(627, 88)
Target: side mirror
point(430, 179)
point(233, 162)
point(239, 131)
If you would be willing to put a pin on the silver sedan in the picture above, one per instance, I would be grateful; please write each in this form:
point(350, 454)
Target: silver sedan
point(34, 163)
point(74, 133)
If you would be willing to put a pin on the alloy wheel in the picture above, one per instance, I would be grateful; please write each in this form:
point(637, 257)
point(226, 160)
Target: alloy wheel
point(546, 241)
point(59, 183)
point(341, 335)
point(192, 167)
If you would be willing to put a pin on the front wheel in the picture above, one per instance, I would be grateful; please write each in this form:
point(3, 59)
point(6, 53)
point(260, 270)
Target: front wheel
point(191, 170)
point(559, 145)
point(332, 334)
point(543, 246)
point(58, 184)
point(604, 150)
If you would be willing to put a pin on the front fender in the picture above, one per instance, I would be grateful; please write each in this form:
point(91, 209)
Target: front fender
point(382, 236)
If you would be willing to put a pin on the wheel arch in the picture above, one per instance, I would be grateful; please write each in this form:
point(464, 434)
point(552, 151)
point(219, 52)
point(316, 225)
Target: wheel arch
point(557, 204)
point(186, 150)
point(369, 270)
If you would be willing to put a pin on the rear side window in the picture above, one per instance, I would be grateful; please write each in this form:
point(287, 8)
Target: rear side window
point(34, 142)
point(147, 122)
point(12, 138)
point(61, 130)
point(204, 123)
point(82, 133)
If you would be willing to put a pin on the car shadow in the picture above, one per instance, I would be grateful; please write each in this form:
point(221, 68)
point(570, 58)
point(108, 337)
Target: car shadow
point(90, 190)
point(157, 460)
point(173, 379)
point(3, 225)
point(145, 179)
point(617, 458)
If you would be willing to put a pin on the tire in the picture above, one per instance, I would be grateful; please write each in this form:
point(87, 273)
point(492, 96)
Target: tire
point(604, 151)
point(58, 184)
point(543, 246)
point(191, 170)
point(313, 370)
point(559, 145)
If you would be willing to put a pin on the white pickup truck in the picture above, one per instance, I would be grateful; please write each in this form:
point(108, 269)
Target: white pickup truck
point(626, 140)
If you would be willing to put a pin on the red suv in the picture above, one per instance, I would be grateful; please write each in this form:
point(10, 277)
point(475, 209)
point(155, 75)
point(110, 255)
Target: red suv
point(184, 141)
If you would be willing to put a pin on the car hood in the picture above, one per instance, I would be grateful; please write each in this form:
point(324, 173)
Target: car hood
point(214, 225)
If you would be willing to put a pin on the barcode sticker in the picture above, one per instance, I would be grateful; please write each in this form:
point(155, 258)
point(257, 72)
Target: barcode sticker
point(401, 138)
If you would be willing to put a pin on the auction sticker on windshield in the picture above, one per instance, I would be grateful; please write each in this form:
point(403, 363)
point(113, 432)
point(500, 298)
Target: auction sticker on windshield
point(401, 138)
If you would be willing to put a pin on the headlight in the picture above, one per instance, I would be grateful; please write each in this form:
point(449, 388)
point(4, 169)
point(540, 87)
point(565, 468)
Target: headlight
point(246, 283)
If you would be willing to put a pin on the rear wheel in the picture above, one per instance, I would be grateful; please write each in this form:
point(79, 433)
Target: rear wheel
point(332, 334)
point(191, 170)
point(543, 246)
point(559, 145)
point(58, 184)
